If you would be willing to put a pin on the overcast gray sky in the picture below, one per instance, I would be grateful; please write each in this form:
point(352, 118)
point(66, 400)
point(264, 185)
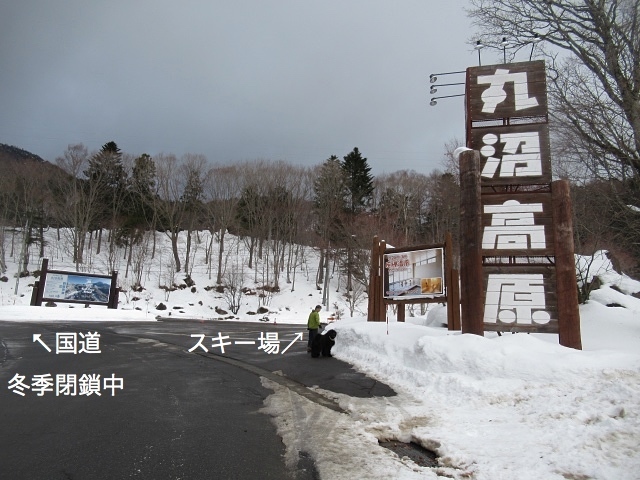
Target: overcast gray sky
point(293, 80)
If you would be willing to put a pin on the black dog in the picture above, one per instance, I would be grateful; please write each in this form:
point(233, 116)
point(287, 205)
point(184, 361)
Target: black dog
point(322, 344)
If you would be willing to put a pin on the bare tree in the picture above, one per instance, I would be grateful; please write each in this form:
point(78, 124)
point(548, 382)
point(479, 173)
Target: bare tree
point(301, 188)
point(443, 213)
point(233, 279)
point(284, 195)
point(221, 194)
point(450, 161)
point(273, 206)
point(79, 200)
point(595, 85)
point(179, 190)
point(139, 256)
point(195, 171)
point(402, 202)
point(7, 196)
point(355, 297)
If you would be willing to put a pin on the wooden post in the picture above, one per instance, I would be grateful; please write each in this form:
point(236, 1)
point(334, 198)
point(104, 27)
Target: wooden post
point(401, 312)
point(453, 288)
point(34, 293)
point(42, 282)
point(448, 270)
point(455, 301)
point(472, 294)
point(373, 273)
point(376, 312)
point(381, 307)
point(113, 293)
point(566, 287)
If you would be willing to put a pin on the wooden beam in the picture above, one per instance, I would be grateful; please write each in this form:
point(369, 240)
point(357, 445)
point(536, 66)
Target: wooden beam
point(455, 280)
point(472, 294)
point(566, 287)
point(448, 274)
point(381, 307)
point(373, 272)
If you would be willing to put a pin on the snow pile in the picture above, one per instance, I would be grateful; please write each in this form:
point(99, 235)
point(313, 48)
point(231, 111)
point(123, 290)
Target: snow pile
point(505, 407)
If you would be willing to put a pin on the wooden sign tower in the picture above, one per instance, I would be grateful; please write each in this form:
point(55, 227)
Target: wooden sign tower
point(517, 264)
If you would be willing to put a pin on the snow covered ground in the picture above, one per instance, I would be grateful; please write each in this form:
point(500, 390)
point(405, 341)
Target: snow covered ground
point(493, 407)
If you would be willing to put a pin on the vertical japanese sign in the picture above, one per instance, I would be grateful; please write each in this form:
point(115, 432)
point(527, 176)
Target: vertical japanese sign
point(507, 123)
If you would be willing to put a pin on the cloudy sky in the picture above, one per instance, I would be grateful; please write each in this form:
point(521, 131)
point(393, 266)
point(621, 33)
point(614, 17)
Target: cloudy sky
point(293, 80)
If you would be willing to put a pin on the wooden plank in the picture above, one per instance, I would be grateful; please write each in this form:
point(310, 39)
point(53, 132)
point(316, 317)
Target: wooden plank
point(547, 271)
point(504, 253)
point(517, 260)
point(414, 248)
point(551, 327)
point(521, 197)
point(516, 188)
point(540, 219)
point(417, 301)
point(551, 304)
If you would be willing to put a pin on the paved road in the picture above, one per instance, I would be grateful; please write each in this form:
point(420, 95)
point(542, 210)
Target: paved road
point(179, 415)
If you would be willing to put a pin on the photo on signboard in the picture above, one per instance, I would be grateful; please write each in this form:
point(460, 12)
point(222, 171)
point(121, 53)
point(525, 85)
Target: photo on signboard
point(80, 288)
point(414, 274)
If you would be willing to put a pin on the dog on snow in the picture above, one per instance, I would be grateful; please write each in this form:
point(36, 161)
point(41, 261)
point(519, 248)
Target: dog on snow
point(322, 344)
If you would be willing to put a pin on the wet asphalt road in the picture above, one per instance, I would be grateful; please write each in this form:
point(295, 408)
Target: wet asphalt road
point(179, 415)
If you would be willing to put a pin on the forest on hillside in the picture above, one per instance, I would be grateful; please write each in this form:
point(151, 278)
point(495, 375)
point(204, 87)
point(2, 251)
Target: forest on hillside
point(110, 200)
point(116, 202)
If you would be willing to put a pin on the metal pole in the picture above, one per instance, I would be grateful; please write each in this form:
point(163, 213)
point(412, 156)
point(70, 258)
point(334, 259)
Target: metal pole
point(325, 296)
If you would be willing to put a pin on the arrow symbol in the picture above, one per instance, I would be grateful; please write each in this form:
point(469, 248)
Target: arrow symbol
point(36, 338)
point(298, 337)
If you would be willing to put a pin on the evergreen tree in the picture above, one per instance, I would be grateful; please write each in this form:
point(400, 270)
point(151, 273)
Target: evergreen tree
point(142, 186)
point(246, 216)
point(143, 175)
point(191, 200)
point(193, 190)
point(359, 181)
point(330, 199)
point(106, 169)
point(106, 174)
